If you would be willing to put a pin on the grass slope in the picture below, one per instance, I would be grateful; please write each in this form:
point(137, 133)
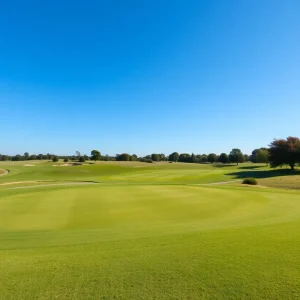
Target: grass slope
point(147, 232)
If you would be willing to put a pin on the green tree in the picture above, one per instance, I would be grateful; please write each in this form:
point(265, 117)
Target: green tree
point(81, 159)
point(262, 156)
point(193, 158)
point(223, 158)
point(95, 155)
point(284, 152)
point(155, 157)
point(26, 155)
point(184, 157)
point(204, 158)
point(174, 157)
point(55, 158)
point(212, 157)
point(162, 157)
point(134, 157)
point(123, 157)
point(236, 156)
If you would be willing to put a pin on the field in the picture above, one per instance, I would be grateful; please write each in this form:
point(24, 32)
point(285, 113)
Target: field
point(148, 231)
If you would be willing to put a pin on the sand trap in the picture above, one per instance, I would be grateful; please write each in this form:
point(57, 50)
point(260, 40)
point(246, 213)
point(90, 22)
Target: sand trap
point(28, 165)
point(17, 182)
point(3, 172)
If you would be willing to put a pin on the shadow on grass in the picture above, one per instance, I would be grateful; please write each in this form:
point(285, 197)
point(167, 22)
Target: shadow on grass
point(264, 174)
point(252, 167)
point(223, 165)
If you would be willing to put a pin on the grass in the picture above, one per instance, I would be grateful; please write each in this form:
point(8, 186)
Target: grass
point(148, 231)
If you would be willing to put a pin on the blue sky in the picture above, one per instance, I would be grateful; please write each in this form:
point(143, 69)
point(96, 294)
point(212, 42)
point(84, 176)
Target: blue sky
point(148, 76)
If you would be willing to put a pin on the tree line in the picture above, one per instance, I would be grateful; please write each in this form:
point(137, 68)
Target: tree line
point(280, 152)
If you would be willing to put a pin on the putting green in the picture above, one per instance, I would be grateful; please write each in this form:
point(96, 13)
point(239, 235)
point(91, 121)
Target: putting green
point(146, 232)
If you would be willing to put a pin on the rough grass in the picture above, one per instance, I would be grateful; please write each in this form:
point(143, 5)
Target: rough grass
point(147, 232)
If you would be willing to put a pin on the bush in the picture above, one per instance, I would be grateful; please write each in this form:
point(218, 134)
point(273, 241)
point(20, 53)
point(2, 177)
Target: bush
point(81, 159)
point(146, 160)
point(66, 160)
point(55, 158)
point(251, 181)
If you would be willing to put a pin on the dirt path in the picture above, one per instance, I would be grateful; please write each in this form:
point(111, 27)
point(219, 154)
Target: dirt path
point(51, 184)
point(220, 182)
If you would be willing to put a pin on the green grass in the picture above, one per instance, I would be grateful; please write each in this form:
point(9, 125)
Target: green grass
point(148, 231)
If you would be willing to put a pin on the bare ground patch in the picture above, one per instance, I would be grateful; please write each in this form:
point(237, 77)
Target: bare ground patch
point(3, 172)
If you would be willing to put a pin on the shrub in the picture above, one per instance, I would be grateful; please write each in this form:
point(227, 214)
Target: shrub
point(81, 159)
point(251, 181)
point(66, 160)
point(146, 160)
point(55, 158)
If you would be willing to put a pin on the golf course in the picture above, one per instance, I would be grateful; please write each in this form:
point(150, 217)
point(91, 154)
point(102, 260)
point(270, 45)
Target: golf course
point(133, 230)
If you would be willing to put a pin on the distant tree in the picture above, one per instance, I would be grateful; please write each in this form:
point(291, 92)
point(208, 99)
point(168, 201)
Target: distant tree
point(81, 159)
point(246, 157)
point(26, 155)
point(253, 155)
point(162, 157)
point(66, 159)
point(236, 156)
point(285, 152)
point(193, 158)
point(155, 157)
point(184, 157)
point(55, 158)
point(223, 158)
point(212, 157)
point(204, 158)
point(78, 154)
point(133, 157)
point(123, 157)
point(17, 157)
point(174, 157)
point(95, 155)
point(32, 157)
point(4, 157)
point(145, 160)
point(262, 156)
point(40, 156)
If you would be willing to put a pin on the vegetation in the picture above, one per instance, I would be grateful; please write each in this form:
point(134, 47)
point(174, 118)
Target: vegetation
point(223, 158)
point(147, 223)
point(55, 158)
point(262, 156)
point(236, 156)
point(281, 152)
point(212, 157)
point(285, 152)
point(251, 181)
point(95, 155)
point(82, 159)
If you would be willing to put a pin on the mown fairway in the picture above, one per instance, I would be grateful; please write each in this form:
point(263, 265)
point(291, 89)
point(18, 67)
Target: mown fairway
point(148, 231)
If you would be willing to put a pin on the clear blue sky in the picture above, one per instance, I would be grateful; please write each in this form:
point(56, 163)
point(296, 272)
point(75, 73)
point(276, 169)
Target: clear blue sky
point(148, 76)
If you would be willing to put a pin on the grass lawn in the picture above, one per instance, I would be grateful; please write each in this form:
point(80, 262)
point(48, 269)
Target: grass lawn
point(148, 231)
